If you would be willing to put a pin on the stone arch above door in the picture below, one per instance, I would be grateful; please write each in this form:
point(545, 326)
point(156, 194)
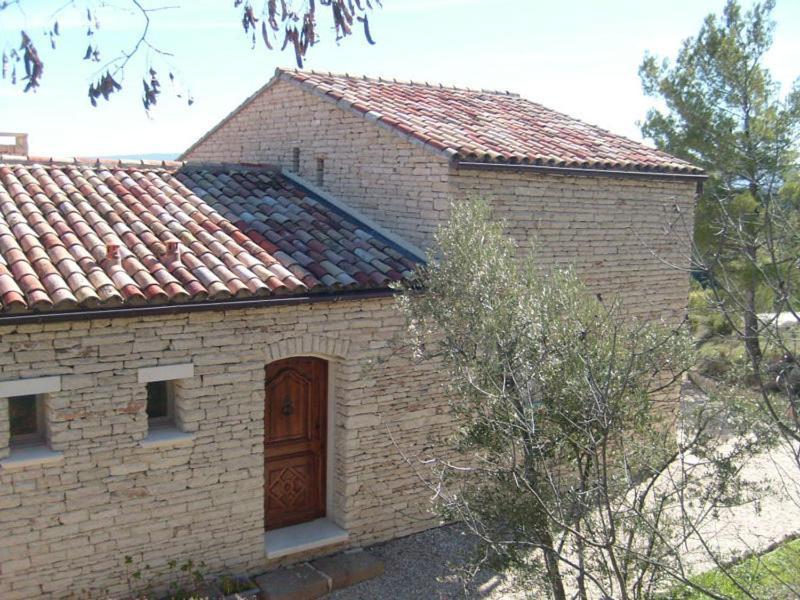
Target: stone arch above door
point(308, 345)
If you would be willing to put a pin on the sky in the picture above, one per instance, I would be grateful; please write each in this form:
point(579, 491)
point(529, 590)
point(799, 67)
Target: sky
point(580, 57)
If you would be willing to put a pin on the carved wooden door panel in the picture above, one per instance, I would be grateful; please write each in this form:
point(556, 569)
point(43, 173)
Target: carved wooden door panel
point(294, 441)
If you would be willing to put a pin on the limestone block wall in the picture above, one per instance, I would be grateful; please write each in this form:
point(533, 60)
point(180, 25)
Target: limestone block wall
point(68, 525)
point(625, 236)
point(14, 143)
point(4, 429)
point(400, 185)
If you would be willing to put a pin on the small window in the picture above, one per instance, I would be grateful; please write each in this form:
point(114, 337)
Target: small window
point(296, 160)
point(26, 420)
point(320, 171)
point(160, 404)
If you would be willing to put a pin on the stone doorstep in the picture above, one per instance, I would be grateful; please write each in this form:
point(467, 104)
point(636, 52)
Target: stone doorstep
point(348, 568)
point(316, 579)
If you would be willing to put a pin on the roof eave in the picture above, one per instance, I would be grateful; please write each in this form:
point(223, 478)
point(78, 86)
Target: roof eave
point(699, 176)
point(192, 307)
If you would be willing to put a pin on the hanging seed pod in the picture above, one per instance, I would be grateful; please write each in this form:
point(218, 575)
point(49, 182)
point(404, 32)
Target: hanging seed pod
point(265, 34)
point(367, 34)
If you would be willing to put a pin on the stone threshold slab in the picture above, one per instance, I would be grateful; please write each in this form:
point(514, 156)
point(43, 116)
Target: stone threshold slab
point(305, 536)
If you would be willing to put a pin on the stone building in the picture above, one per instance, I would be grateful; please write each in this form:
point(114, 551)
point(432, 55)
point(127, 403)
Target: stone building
point(402, 152)
point(195, 357)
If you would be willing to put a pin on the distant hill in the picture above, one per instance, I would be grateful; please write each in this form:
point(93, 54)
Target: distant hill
point(149, 156)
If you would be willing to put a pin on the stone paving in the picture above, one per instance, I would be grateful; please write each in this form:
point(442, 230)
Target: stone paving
point(771, 516)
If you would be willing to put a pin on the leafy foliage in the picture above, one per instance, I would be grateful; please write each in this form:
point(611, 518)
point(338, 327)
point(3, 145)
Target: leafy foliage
point(296, 22)
point(726, 113)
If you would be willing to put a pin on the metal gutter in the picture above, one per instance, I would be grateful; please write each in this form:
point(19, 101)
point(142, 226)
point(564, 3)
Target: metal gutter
point(191, 307)
point(581, 171)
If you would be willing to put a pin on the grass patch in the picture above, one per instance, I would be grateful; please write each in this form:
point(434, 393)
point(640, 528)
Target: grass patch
point(774, 575)
point(234, 585)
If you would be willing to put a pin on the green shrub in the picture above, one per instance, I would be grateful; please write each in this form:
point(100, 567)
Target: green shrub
point(705, 320)
point(722, 358)
point(774, 575)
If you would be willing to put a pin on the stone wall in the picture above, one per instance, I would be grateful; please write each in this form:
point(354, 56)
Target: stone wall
point(67, 525)
point(625, 236)
point(14, 143)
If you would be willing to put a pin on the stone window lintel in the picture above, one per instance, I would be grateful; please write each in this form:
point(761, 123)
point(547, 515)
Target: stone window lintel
point(166, 372)
point(33, 386)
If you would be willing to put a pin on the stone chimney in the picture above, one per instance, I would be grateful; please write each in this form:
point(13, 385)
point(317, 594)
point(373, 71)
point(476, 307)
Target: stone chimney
point(173, 253)
point(112, 254)
point(14, 143)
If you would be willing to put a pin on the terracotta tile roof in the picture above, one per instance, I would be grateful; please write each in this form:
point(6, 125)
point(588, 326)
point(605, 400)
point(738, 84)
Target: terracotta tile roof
point(87, 235)
point(487, 126)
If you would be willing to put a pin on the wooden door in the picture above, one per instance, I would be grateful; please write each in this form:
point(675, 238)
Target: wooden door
point(295, 414)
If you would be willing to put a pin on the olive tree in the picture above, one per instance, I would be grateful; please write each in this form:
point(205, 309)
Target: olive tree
point(564, 460)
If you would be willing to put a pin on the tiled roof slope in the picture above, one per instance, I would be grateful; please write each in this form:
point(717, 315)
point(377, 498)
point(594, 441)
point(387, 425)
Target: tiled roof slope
point(500, 127)
point(180, 235)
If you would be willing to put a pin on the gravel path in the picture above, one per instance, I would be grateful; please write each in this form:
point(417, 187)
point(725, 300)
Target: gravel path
point(781, 319)
point(773, 515)
point(423, 566)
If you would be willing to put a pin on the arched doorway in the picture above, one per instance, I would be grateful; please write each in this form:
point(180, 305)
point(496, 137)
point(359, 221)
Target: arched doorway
point(295, 431)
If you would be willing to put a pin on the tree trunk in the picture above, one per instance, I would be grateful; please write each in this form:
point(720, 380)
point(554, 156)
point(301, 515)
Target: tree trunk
point(540, 525)
point(581, 564)
point(551, 564)
point(751, 341)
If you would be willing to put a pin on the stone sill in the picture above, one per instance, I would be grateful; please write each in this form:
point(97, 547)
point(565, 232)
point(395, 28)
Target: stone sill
point(303, 537)
point(31, 456)
point(167, 438)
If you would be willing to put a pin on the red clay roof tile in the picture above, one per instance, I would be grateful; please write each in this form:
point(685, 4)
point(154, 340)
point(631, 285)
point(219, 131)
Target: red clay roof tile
point(241, 232)
point(486, 126)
